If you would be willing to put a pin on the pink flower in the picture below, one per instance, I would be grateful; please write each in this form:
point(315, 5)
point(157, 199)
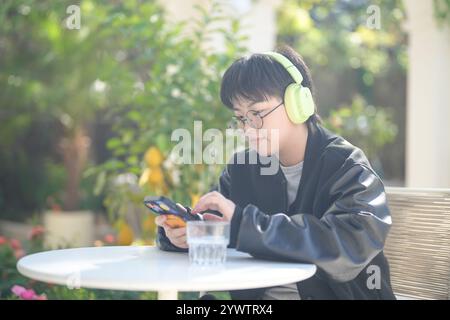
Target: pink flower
point(36, 232)
point(109, 238)
point(27, 294)
point(3, 240)
point(19, 253)
point(15, 244)
point(18, 290)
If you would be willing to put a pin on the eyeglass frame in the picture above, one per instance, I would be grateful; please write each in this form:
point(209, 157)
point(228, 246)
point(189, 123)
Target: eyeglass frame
point(257, 113)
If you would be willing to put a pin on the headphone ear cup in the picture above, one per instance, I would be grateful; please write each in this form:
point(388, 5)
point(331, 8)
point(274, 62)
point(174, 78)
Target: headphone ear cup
point(298, 102)
point(307, 105)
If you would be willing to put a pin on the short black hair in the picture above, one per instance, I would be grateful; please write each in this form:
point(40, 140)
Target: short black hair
point(258, 76)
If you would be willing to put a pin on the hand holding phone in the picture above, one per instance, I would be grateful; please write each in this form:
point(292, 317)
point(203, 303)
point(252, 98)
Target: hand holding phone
point(176, 215)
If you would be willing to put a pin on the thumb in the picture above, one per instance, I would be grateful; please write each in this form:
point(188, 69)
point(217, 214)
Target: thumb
point(160, 220)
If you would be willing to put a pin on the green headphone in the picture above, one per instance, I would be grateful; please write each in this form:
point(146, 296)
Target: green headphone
point(298, 100)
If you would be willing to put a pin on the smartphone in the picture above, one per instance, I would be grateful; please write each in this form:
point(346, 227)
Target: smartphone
point(176, 217)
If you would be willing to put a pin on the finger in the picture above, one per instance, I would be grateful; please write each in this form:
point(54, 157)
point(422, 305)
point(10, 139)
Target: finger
point(182, 245)
point(209, 201)
point(160, 220)
point(212, 217)
point(176, 233)
point(181, 242)
point(201, 200)
point(166, 227)
point(179, 232)
point(209, 204)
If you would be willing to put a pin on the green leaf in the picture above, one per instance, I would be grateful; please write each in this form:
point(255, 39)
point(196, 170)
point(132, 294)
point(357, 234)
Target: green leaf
point(113, 143)
point(100, 183)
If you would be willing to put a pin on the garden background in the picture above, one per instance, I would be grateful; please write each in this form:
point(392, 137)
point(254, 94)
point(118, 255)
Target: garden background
point(87, 113)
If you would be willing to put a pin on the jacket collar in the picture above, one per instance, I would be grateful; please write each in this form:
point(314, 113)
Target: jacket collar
point(271, 198)
point(318, 138)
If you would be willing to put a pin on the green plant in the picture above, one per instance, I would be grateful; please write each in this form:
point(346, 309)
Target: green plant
point(354, 48)
point(11, 250)
point(336, 34)
point(49, 72)
point(442, 11)
point(366, 126)
point(174, 79)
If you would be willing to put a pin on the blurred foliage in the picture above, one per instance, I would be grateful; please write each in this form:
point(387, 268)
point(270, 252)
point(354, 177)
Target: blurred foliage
point(442, 11)
point(343, 42)
point(339, 34)
point(11, 250)
point(168, 78)
point(363, 125)
point(126, 65)
point(46, 77)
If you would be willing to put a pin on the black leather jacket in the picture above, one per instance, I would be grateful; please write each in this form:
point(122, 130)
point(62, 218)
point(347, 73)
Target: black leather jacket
point(339, 220)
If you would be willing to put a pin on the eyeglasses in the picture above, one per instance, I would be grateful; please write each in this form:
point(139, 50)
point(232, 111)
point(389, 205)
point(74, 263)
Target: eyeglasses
point(253, 118)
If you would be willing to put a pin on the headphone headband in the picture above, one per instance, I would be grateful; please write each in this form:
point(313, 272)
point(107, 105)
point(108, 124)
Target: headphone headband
point(288, 65)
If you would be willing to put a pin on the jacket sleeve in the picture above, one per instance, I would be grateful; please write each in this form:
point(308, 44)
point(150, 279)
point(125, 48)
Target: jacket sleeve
point(223, 187)
point(350, 233)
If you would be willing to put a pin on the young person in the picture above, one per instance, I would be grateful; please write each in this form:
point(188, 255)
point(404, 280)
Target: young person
point(325, 205)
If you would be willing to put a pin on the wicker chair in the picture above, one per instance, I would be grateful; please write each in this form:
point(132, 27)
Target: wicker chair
point(418, 246)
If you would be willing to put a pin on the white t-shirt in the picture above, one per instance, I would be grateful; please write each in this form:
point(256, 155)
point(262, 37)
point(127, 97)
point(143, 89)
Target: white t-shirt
point(293, 175)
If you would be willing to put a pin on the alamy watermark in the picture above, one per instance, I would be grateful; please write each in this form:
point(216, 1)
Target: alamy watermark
point(73, 280)
point(374, 18)
point(220, 148)
point(374, 279)
point(73, 21)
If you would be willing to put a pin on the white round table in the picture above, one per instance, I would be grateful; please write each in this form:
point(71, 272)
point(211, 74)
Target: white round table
point(146, 268)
